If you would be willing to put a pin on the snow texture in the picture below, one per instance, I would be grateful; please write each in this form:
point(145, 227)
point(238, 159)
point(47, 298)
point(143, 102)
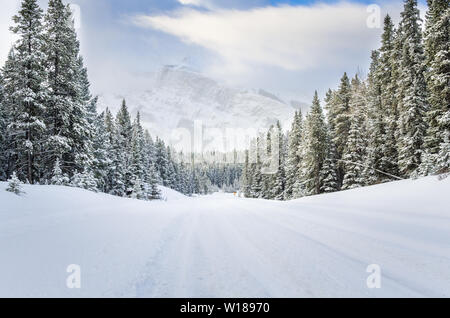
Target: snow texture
point(225, 246)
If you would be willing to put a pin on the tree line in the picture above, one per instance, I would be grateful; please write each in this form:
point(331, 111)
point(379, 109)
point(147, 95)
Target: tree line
point(395, 124)
point(52, 133)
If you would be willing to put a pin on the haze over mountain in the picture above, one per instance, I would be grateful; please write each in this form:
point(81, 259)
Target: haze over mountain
point(178, 98)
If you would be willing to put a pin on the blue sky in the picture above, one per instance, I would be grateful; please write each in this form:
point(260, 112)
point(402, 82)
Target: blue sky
point(288, 47)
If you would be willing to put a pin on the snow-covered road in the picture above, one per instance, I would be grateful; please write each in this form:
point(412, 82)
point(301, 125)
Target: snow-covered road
point(223, 246)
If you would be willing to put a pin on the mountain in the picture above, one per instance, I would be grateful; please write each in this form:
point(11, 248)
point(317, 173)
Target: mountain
point(177, 97)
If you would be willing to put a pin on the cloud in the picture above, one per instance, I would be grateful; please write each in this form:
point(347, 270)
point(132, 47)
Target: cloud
point(9, 8)
point(197, 3)
point(289, 37)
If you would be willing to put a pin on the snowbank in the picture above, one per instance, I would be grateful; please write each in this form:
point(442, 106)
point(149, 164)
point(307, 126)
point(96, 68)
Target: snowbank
point(224, 246)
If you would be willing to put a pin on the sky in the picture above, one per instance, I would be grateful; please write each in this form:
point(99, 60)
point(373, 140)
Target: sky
point(287, 47)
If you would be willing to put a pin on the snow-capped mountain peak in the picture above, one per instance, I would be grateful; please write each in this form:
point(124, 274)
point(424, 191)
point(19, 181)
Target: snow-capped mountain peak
point(178, 96)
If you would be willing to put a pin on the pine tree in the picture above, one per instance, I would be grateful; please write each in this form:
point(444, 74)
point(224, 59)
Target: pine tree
point(85, 180)
point(162, 162)
point(246, 176)
point(14, 185)
point(256, 188)
point(341, 121)
point(313, 148)
point(437, 49)
point(293, 159)
point(24, 79)
point(354, 157)
point(279, 178)
point(414, 104)
point(328, 173)
point(138, 192)
point(115, 174)
point(383, 82)
point(3, 138)
point(124, 131)
point(102, 152)
point(267, 174)
point(58, 177)
point(69, 134)
point(153, 192)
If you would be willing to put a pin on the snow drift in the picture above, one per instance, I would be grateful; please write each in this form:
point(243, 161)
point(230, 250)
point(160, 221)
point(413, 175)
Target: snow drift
point(224, 246)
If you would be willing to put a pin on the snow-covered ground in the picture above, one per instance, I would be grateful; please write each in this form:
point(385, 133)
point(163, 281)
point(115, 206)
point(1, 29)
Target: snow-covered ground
point(223, 246)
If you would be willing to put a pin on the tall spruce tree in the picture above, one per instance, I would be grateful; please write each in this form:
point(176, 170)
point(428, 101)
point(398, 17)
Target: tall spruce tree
point(356, 148)
point(414, 103)
point(328, 173)
point(313, 149)
point(293, 159)
point(69, 133)
point(3, 125)
point(341, 121)
point(25, 85)
point(437, 49)
point(383, 82)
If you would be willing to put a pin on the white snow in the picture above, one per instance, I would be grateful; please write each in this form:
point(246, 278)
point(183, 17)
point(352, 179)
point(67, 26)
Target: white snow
point(224, 246)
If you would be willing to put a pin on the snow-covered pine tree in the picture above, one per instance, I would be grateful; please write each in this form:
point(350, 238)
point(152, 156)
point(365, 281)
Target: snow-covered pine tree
point(382, 82)
point(354, 158)
point(376, 126)
point(153, 191)
point(85, 180)
point(137, 149)
point(356, 149)
point(171, 177)
point(162, 162)
point(246, 177)
point(14, 185)
point(414, 104)
point(69, 134)
point(341, 119)
point(330, 107)
point(266, 157)
point(102, 152)
point(138, 191)
point(256, 188)
point(437, 49)
point(25, 85)
point(116, 170)
point(313, 148)
point(279, 178)
point(3, 138)
point(293, 159)
point(124, 131)
point(328, 174)
point(58, 177)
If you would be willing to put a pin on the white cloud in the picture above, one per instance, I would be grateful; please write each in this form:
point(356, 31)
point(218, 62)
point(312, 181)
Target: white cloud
point(196, 3)
point(9, 8)
point(290, 37)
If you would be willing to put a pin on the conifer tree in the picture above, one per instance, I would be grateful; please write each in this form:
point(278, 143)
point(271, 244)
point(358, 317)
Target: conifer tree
point(437, 49)
point(383, 80)
point(328, 174)
point(414, 103)
point(14, 185)
point(58, 177)
point(313, 148)
point(85, 180)
point(342, 121)
point(69, 133)
point(3, 138)
point(25, 85)
point(293, 159)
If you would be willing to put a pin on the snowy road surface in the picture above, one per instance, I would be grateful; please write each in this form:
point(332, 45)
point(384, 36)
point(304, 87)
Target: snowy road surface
point(222, 246)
